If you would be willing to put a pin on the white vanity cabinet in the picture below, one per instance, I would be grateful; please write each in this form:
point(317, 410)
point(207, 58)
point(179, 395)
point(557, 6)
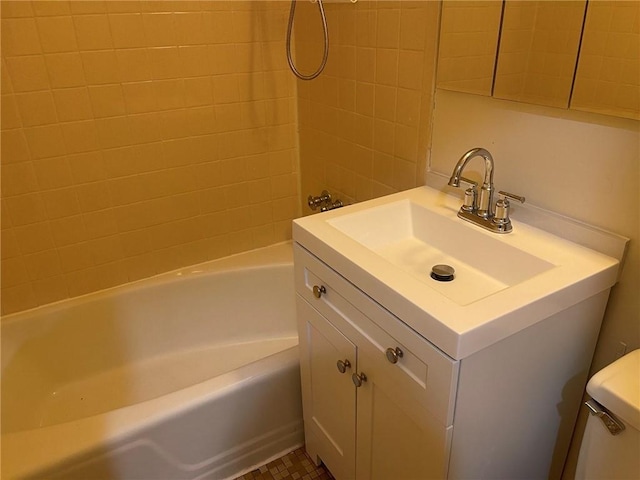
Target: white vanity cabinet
point(398, 422)
point(506, 411)
point(477, 378)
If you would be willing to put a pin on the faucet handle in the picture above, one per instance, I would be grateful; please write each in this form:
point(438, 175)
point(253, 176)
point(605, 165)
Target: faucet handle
point(502, 195)
point(319, 201)
point(501, 217)
point(470, 195)
point(470, 199)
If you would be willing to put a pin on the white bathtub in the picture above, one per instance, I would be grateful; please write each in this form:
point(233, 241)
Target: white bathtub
point(190, 374)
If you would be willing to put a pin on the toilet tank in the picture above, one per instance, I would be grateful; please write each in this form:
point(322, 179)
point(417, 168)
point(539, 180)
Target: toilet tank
point(606, 452)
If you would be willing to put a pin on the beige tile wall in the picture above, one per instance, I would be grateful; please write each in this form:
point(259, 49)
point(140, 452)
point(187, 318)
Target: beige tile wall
point(364, 124)
point(139, 137)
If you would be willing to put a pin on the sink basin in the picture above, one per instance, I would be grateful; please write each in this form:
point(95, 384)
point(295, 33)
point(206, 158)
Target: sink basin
point(502, 283)
point(415, 239)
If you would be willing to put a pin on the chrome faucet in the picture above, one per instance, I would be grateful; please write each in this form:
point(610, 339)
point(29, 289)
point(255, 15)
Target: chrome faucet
point(324, 202)
point(480, 209)
point(483, 206)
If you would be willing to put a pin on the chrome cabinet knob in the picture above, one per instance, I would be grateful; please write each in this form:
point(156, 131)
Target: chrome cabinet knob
point(393, 354)
point(319, 290)
point(358, 380)
point(343, 365)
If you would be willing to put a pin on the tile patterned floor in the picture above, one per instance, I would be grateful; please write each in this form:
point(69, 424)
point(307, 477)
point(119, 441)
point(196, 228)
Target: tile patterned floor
point(293, 466)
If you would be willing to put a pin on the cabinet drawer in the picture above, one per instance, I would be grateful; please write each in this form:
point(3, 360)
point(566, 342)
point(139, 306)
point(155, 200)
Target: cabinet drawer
point(421, 370)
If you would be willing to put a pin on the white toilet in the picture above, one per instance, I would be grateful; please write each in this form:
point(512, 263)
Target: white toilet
point(611, 445)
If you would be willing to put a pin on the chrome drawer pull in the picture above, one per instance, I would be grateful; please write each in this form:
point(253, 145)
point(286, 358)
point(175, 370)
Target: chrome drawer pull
point(318, 290)
point(393, 354)
point(343, 365)
point(358, 380)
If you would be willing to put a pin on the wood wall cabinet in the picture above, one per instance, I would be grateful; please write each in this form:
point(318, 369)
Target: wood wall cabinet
point(539, 44)
point(583, 55)
point(469, 32)
point(608, 75)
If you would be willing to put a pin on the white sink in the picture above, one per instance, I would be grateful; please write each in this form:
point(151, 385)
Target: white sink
point(502, 284)
point(415, 239)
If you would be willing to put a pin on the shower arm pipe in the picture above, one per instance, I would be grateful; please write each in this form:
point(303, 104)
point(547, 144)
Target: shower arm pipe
point(325, 32)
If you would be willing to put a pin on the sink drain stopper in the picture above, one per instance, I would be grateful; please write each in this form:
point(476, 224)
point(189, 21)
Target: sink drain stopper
point(442, 273)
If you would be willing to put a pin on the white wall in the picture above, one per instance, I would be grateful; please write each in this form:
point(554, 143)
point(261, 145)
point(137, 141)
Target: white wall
point(581, 165)
point(585, 166)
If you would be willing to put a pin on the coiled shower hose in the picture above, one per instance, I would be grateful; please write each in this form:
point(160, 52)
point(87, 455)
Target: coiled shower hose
point(326, 43)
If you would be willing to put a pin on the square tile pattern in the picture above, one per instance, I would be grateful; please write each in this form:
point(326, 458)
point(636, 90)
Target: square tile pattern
point(140, 137)
point(292, 466)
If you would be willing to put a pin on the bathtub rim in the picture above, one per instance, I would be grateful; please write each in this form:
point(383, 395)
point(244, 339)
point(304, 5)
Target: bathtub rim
point(125, 421)
point(279, 254)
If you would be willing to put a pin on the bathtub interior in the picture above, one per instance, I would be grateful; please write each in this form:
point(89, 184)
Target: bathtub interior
point(141, 341)
point(217, 429)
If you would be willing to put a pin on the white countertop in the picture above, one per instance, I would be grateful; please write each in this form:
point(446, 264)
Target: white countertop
point(575, 274)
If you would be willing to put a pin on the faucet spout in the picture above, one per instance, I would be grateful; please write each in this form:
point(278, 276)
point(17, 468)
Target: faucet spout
point(479, 209)
point(454, 181)
point(486, 191)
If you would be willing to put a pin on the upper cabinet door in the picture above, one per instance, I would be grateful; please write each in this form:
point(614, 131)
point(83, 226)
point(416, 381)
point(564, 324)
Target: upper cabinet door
point(608, 75)
point(578, 54)
point(468, 44)
point(538, 51)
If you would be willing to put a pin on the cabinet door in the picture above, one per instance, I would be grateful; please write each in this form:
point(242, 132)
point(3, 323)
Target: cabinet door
point(397, 437)
point(467, 56)
point(607, 79)
point(539, 45)
point(329, 396)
